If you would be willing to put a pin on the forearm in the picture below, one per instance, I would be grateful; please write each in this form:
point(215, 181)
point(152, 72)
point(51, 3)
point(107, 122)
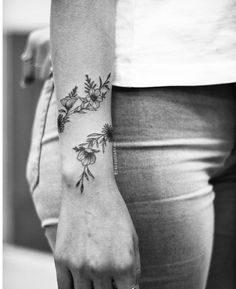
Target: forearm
point(82, 36)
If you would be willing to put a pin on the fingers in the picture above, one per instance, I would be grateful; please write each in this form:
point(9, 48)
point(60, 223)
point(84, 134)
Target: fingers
point(128, 282)
point(27, 69)
point(46, 68)
point(29, 49)
point(36, 62)
point(105, 283)
point(81, 282)
point(64, 278)
point(42, 65)
point(27, 58)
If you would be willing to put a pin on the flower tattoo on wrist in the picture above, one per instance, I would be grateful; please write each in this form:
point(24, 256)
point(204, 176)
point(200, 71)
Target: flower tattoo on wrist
point(95, 94)
point(86, 152)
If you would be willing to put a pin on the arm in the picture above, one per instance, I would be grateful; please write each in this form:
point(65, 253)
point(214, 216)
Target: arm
point(96, 240)
point(82, 35)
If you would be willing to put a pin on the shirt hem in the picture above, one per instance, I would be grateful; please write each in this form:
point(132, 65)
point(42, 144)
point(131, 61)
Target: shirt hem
point(174, 75)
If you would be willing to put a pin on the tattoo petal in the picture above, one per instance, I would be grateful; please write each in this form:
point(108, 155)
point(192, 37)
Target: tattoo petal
point(91, 102)
point(86, 153)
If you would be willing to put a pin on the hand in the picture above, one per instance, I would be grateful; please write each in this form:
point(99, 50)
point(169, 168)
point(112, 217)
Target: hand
point(51, 233)
point(96, 244)
point(36, 59)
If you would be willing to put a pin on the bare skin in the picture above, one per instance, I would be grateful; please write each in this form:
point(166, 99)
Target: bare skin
point(96, 242)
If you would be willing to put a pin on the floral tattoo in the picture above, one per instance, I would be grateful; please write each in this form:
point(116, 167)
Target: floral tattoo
point(86, 152)
point(95, 94)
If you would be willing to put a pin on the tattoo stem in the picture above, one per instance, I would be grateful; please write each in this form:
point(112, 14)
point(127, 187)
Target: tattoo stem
point(84, 174)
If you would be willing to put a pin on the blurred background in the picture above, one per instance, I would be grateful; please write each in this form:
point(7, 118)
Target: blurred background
point(24, 242)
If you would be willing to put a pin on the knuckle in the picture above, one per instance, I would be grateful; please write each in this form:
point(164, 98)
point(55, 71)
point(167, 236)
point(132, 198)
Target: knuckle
point(75, 263)
point(58, 256)
point(96, 266)
point(69, 260)
point(126, 264)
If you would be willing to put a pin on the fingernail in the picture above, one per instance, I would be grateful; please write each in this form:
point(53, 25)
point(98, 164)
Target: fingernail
point(28, 80)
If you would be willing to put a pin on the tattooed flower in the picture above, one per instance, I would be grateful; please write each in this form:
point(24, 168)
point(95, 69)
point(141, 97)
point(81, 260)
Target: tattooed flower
point(70, 99)
point(60, 123)
point(86, 155)
point(107, 131)
point(68, 102)
point(94, 98)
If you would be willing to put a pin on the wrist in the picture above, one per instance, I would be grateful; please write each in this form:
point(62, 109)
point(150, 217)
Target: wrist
point(91, 172)
point(104, 198)
point(102, 186)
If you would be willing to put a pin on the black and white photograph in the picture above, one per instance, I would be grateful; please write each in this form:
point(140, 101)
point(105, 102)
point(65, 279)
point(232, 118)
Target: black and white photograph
point(119, 144)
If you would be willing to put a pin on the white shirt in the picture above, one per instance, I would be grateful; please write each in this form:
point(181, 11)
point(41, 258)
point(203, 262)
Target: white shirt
point(175, 42)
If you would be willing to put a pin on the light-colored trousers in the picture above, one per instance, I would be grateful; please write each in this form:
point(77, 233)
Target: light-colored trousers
point(176, 170)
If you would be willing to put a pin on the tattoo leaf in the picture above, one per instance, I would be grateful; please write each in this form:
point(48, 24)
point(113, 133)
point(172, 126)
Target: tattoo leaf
point(89, 84)
point(77, 184)
point(80, 111)
point(94, 134)
point(83, 144)
point(90, 173)
point(91, 102)
point(86, 176)
point(82, 188)
point(86, 153)
point(100, 82)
